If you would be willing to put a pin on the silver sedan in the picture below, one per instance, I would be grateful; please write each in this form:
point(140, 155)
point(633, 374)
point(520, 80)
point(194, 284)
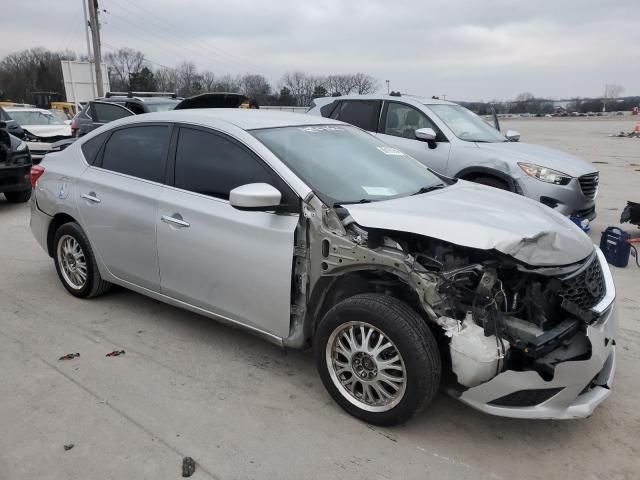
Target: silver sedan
point(311, 232)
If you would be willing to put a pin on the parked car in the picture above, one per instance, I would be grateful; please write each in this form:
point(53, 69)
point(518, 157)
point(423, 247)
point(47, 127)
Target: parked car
point(15, 167)
point(455, 142)
point(41, 129)
point(310, 231)
point(11, 125)
point(114, 106)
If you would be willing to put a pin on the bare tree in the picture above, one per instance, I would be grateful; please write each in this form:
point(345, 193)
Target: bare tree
point(187, 79)
point(302, 86)
point(227, 83)
point(122, 64)
point(166, 79)
point(208, 80)
point(364, 84)
point(525, 97)
point(255, 87)
point(611, 92)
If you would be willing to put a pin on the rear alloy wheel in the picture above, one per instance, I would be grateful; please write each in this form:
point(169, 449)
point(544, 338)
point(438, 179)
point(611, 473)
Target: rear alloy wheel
point(75, 263)
point(377, 358)
point(18, 197)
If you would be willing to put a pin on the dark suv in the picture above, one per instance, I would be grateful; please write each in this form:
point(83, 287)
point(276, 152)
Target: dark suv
point(15, 167)
point(115, 105)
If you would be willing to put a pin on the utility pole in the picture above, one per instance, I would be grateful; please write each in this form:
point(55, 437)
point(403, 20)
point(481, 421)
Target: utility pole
point(95, 35)
point(89, 54)
point(387, 86)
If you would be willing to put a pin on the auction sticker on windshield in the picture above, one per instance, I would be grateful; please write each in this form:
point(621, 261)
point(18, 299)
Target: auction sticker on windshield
point(390, 151)
point(380, 191)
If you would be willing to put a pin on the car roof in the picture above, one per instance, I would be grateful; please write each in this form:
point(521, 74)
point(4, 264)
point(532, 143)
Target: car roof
point(403, 97)
point(25, 109)
point(114, 98)
point(247, 119)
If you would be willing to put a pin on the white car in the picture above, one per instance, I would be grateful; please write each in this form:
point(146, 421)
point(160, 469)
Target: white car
point(41, 129)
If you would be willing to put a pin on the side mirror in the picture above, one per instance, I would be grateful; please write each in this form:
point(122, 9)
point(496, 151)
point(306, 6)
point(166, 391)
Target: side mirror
point(427, 134)
point(255, 196)
point(512, 136)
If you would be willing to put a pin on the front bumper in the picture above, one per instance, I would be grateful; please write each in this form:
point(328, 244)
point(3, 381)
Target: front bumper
point(582, 385)
point(38, 150)
point(566, 199)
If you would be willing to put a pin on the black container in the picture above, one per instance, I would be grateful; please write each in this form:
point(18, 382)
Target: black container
point(615, 245)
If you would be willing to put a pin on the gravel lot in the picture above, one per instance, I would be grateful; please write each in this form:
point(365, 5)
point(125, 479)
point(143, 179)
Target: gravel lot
point(245, 409)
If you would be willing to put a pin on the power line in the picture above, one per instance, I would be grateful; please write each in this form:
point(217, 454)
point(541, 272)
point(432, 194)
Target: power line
point(192, 48)
point(194, 41)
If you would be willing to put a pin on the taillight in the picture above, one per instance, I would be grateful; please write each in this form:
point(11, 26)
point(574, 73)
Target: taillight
point(36, 173)
point(74, 127)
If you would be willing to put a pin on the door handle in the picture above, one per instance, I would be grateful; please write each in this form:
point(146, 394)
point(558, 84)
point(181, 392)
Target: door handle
point(176, 220)
point(91, 196)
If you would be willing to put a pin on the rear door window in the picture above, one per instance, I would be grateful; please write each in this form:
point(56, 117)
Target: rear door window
point(139, 151)
point(103, 112)
point(361, 113)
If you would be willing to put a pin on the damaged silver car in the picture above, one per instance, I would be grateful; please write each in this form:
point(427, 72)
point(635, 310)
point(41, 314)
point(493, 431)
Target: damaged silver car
point(312, 232)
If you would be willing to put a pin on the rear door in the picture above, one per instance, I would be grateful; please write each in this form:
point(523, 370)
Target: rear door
point(236, 264)
point(118, 201)
point(398, 124)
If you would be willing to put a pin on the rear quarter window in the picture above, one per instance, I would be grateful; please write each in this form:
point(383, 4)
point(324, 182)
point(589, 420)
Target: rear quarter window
point(91, 148)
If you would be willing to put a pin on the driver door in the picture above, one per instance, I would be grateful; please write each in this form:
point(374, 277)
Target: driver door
point(235, 264)
point(398, 124)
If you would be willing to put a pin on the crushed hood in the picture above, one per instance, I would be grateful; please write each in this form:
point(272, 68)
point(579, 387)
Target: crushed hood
point(485, 218)
point(539, 155)
point(47, 131)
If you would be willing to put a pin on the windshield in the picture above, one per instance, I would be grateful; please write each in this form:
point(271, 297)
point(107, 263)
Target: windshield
point(34, 117)
point(342, 164)
point(466, 125)
point(161, 106)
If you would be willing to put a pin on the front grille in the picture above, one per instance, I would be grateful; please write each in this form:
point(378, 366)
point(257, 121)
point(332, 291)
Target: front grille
point(586, 288)
point(589, 184)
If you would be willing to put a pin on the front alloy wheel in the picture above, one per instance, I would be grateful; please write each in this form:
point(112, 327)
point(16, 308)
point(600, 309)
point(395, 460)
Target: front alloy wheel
point(366, 366)
point(377, 358)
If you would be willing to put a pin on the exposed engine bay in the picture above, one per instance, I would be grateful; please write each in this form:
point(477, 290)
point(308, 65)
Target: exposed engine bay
point(492, 312)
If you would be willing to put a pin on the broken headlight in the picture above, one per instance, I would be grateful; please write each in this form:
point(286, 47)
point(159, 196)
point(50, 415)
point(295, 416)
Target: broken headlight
point(545, 174)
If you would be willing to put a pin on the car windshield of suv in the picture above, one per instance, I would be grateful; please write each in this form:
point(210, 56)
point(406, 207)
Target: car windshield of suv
point(161, 106)
point(466, 125)
point(343, 164)
point(31, 117)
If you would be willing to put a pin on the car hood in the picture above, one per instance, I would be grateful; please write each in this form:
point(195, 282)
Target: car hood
point(485, 218)
point(539, 155)
point(46, 131)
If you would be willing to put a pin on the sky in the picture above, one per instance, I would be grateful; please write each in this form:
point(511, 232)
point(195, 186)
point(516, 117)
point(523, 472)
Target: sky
point(465, 49)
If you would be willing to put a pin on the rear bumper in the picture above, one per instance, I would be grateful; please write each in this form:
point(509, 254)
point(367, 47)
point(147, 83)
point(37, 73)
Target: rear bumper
point(14, 179)
point(39, 223)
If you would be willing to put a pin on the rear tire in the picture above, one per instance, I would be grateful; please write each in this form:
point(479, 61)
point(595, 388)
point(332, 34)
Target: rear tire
point(75, 263)
point(381, 386)
point(18, 197)
point(492, 182)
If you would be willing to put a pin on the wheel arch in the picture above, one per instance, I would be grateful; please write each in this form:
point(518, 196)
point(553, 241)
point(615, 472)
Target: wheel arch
point(471, 173)
point(330, 290)
point(58, 220)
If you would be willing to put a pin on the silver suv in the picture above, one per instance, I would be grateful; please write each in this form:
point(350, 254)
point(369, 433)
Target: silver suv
point(456, 142)
point(308, 231)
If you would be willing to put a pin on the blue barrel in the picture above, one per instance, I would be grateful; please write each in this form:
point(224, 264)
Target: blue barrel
point(615, 246)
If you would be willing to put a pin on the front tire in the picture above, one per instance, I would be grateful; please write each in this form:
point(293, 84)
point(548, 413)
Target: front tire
point(75, 263)
point(18, 197)
point(377, 358)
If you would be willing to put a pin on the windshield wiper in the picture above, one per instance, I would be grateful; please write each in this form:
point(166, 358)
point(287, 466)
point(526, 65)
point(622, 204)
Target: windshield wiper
point(362, 200)
point(430, 188)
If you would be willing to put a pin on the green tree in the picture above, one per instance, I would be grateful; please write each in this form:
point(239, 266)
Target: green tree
point(142, 81)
